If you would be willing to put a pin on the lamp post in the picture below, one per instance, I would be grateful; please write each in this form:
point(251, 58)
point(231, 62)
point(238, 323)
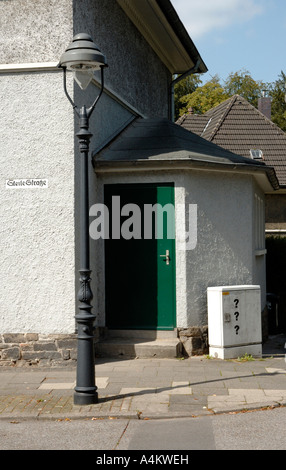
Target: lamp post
point(83, 57)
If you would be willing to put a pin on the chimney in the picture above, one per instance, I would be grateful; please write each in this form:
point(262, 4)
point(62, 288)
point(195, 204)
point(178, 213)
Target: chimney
point(264, 105)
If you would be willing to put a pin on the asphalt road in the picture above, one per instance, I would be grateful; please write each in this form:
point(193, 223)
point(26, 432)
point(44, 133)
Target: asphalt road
point(256, 430)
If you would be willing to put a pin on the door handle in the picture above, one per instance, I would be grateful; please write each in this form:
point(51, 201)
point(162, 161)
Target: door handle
point(167, 257)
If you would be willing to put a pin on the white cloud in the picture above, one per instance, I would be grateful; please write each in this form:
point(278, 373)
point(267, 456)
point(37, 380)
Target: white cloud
point(203, 16)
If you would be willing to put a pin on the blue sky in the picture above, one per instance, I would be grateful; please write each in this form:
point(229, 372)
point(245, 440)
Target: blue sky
point(233, 35)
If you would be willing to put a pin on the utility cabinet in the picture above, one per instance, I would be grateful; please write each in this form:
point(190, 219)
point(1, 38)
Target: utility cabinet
point(234, 321)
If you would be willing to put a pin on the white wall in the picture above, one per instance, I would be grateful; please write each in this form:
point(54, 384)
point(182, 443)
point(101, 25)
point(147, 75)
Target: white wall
point(224, 253)
point(34, 30)
point(39, 227)
point(36, 225)
point(37, 141)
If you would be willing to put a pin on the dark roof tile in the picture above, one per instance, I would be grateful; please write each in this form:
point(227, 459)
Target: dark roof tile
point(238, 126)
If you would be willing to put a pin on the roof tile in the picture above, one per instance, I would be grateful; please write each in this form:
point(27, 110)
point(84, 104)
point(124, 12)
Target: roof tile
point(238, 126)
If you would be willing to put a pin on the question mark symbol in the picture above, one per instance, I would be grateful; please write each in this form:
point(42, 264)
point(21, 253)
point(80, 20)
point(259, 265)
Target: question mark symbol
point(236, 314)
point(236, 329)
point(236, 301)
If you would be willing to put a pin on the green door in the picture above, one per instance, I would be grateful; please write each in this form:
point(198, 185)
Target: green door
point(140, 257)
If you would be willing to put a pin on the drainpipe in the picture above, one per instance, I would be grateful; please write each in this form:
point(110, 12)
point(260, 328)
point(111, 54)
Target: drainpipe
point(172, 87)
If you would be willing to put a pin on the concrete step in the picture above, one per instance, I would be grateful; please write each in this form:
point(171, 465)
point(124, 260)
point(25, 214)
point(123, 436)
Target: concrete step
point(163, 344)
point(147, 334)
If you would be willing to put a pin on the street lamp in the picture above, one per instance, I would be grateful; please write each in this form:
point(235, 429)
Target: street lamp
point(83, 57)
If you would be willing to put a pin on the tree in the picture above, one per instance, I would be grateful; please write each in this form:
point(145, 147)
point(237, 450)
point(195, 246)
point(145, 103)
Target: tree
point(278, 92)
point(241, 83)
point(185, 87)
point(211, 94)
point(204, 98)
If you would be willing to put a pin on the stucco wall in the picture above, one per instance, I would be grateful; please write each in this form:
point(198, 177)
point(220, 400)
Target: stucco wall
point(39, 227)
point(224, 252)
point(135, 72)
point(34, 30)
point(36, 225)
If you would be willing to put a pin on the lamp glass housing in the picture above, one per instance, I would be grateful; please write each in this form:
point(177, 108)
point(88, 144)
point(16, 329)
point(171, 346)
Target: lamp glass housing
point(83, 77)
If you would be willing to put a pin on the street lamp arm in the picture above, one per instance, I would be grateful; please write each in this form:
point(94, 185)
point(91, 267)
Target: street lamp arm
point(90, 110)
point(66, 91)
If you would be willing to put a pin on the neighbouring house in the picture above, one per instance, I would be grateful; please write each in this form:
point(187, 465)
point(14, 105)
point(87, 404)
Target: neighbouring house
point(146, 287)
point(238, 126)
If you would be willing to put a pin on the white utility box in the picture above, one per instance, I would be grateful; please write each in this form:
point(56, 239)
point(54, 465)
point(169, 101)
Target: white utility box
point(234, 321)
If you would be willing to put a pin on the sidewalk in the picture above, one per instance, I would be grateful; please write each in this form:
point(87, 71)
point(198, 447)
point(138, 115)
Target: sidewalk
point(149, 388)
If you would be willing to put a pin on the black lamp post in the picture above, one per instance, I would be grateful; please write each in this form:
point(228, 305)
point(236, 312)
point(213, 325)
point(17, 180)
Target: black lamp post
point(83, 58)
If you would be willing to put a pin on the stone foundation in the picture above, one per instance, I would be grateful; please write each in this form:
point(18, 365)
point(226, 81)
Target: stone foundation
point(51, 350)
point(36, 349)
point(194, 340)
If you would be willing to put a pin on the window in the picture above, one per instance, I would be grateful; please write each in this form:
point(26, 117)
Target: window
point(256, 154)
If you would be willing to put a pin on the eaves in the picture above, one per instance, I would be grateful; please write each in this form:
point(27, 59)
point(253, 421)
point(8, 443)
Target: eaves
point(265, 176)
point(160, 25)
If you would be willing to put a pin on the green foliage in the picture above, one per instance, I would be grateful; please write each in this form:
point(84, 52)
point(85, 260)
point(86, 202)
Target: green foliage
point(246, 357)
point(183, 88)
point(278, 92)
point(241, 83)
point(191, 93)
point(204, 98)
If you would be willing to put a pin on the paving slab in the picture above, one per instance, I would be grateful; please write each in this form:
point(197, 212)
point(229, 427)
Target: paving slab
point(146, 388)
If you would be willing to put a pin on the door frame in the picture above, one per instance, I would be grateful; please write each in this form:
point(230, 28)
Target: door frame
point(173, 315)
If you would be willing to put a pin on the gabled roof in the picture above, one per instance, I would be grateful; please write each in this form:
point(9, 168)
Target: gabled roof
point(159, 142)
point(238, 126)
point(162, 28)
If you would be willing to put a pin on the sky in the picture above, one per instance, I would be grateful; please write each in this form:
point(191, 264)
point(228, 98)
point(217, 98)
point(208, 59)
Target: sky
point(235, 35)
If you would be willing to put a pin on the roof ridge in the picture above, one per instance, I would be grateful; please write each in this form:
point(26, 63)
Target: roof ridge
point(182, 118)
point(269, 121)
point(231, 100)
point(256, 110)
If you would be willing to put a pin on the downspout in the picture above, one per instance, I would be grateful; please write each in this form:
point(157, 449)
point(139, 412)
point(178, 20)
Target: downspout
point(172, 87)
